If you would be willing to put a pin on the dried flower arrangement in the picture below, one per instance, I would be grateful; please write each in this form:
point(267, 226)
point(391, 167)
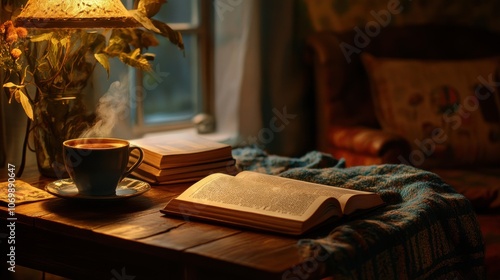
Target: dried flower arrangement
point(45, 69)
point(61, 59)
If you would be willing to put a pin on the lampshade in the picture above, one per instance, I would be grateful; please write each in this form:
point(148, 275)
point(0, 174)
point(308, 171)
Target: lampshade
point(75, 14)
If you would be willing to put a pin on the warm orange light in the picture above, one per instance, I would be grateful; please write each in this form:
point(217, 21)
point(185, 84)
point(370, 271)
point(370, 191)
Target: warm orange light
point(75, 14)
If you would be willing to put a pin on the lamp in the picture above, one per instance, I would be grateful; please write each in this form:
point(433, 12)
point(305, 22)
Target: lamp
point(75, 14)
point(55, 59)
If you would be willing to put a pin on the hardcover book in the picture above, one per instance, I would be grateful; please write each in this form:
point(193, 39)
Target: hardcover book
point(178, 150)
point(180, 158)
point(183, 174)
point(269, 202)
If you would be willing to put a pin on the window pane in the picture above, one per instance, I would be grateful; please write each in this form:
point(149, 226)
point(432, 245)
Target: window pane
point(171, 91)
point(174, 11)
point(179, 11)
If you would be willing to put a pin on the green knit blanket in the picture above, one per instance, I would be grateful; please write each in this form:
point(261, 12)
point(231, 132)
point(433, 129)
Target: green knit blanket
point(426, 231)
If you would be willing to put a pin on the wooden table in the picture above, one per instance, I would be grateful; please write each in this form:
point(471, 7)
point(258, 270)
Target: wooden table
point(131, 239)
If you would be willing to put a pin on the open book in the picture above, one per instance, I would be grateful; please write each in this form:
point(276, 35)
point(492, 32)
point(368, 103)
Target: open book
point(268, 202)
point(23, 193)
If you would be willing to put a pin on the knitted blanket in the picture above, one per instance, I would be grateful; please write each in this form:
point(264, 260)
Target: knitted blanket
point(426, 231)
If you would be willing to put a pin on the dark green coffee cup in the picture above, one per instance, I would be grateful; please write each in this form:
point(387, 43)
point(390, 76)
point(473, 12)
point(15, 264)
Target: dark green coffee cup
point(97, 165)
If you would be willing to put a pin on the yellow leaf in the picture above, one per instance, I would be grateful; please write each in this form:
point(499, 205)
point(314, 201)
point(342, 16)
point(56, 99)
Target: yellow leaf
point(12, 85)
point(26, 105)
point(64, 41)
point(17, 95)
point(175, 37)
point(144, 20)
point(24, 75)
point(18, 92)
point(54, 41)
point(135, 53)
point(136, 62)
point(13, 90)
point(103, 60)
point(41, 37)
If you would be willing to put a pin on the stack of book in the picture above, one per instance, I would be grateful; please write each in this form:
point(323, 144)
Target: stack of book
point(180, 158)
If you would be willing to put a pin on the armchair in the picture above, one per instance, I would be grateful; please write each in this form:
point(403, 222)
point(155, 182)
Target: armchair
point(350, 124)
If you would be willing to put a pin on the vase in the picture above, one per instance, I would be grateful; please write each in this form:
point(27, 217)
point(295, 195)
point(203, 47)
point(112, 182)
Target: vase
point(57, 118)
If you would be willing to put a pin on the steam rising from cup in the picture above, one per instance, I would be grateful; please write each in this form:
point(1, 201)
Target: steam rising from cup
point(111, 106)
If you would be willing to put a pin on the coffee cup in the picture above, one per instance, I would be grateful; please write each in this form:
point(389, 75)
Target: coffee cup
point(97, 165)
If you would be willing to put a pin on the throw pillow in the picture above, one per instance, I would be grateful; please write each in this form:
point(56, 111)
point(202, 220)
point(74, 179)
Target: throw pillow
point(449, 111)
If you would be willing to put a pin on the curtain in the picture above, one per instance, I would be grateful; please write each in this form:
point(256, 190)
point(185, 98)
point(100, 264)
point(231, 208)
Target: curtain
point(288, 101)
point(237, 70)
point(260, 81)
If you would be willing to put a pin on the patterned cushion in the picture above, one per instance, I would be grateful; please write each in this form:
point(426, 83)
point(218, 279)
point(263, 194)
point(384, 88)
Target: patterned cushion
point(449, 111)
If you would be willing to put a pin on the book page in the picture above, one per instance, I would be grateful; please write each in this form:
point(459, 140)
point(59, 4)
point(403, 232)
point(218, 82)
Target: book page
point(280, 200)
point(174, 144)
point(302, 187)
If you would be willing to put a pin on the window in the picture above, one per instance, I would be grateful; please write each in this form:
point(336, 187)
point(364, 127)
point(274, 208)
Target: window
point(179, 86)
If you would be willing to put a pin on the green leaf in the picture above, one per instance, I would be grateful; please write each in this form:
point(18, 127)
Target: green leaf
point(103, 60)
point(41, 37)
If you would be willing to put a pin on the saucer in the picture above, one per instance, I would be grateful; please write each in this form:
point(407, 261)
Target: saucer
point(127, 188)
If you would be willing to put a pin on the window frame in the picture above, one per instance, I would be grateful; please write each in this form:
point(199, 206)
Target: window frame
point(203, 29)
